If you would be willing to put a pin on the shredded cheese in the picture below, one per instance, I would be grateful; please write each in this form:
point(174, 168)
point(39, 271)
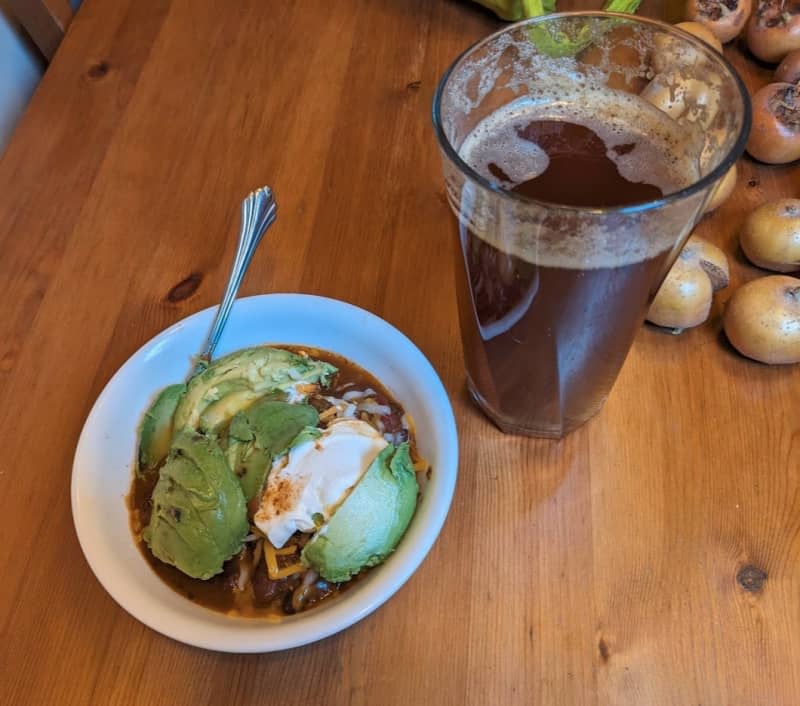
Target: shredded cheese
point(327, 414)
point(421, 465)
point(288, 571)
point(271, 559)
point(306, 387)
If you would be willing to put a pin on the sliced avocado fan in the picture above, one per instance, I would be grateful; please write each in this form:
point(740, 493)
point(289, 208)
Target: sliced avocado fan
point(216, 395)
point(235, 381)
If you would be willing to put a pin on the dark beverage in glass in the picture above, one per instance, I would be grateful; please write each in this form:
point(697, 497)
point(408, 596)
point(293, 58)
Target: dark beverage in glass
point(572, 195)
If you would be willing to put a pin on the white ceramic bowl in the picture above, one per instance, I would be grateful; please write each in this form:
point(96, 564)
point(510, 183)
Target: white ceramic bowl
point(102, 469)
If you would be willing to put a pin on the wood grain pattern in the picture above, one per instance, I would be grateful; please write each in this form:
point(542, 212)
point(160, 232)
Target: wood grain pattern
point(651, 558)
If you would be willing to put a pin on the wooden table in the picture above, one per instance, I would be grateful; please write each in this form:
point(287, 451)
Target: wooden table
point(652, 557)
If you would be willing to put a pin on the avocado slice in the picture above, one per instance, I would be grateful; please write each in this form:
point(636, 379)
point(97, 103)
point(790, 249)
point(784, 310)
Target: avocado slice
point(261, 432)
point(251, 464)
point(199, 517)
point(370, 522)
point(246, 376)
point(155, 431)
point(307, 434)
point(274, 424)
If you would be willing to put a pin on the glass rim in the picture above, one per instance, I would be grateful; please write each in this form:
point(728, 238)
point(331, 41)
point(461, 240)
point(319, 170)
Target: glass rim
point(713, 176)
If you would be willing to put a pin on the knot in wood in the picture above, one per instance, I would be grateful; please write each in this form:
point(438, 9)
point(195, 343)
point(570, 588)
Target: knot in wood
point(185, 288)
point(751, 578)
point(98, 70)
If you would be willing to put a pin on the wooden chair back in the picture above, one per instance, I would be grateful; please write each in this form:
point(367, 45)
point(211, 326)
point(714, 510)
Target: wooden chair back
point(44, 20)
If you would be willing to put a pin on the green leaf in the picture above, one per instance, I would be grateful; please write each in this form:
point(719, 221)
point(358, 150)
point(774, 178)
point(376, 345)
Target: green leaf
point(627, 6)
point(520, 9)
point(556, 43)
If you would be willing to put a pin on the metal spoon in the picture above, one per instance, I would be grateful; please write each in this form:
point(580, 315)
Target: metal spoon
point(259, 211)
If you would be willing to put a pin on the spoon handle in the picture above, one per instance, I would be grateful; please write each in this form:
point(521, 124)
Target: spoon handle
point(259, 211)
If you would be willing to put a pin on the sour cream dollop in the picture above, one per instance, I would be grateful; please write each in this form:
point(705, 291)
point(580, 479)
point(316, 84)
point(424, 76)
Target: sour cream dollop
point(315, 477)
